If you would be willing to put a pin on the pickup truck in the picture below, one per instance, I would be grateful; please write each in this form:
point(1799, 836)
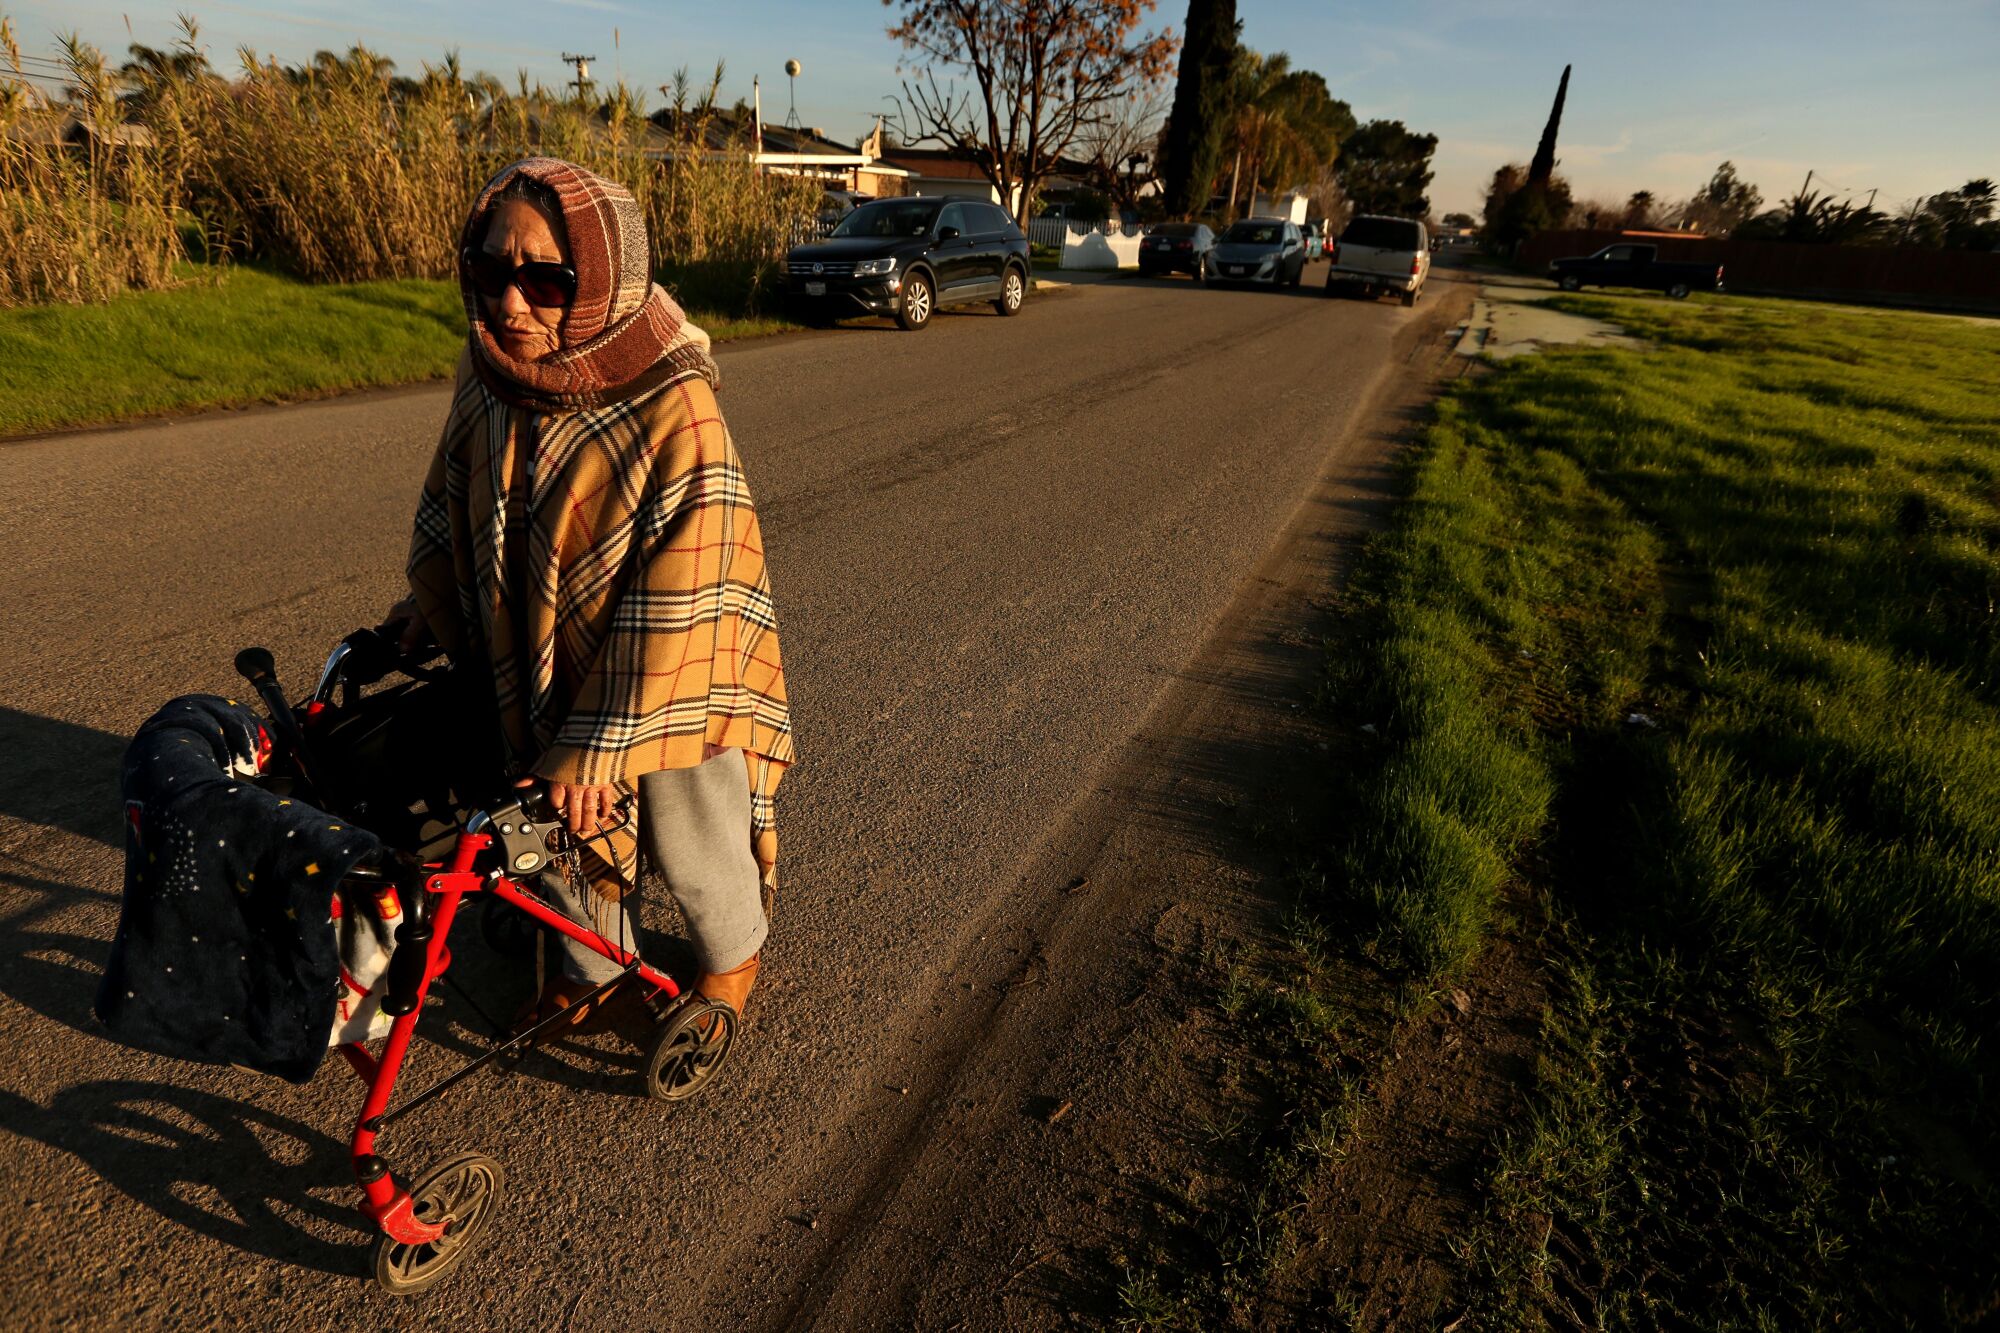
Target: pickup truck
point(1630, 265)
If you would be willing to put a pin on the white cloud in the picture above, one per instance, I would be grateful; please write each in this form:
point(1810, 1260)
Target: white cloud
point(1575, 155)
point(1769, 172)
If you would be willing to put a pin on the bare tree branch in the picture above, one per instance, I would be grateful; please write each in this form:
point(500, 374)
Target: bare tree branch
point(1043, 73)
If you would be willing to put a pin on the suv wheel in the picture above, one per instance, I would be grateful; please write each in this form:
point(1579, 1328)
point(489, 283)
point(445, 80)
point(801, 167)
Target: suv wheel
point(1678, 291)
point(1571, 283)
point(919, 301)
point(1013, 290)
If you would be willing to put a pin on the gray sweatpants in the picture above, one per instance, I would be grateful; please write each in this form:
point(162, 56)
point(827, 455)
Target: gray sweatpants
point(695, 825)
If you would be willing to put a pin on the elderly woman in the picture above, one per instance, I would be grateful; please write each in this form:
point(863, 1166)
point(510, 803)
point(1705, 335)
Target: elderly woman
point(587, 538)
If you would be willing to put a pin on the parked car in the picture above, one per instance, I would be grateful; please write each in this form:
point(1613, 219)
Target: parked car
point(1631, 265)
point(1260, 250)
point(1176, 247)
point(1380, 254)
point(907, 258)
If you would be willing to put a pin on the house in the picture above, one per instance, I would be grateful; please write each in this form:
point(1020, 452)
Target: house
point(809, 152)
point(947, 172)
point(55, 127)
point(727, 134)
point(789, 152)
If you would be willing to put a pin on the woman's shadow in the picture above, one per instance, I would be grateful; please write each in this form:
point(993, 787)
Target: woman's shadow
point(59, 779)
point(221, 1168)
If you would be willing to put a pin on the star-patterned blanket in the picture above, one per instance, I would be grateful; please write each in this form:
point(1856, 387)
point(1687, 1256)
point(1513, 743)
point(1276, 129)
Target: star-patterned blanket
point(226, 950)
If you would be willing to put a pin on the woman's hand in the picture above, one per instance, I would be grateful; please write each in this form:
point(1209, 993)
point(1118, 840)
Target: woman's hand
point(587, 810)
point(407, 624)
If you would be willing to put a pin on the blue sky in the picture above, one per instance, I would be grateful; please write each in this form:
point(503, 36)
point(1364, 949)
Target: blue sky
point(1901, 96)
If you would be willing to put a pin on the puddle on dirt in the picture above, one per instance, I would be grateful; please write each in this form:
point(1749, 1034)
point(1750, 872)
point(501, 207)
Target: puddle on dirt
point(1510, 322)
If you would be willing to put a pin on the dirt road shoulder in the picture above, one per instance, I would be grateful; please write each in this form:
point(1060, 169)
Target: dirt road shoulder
point(1083, 1081)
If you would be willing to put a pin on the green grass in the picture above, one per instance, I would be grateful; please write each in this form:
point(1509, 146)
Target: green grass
point(245, 335)
point(1763, 1102)
point(1689, 652)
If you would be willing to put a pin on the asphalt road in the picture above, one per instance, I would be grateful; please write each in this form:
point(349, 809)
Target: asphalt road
point(992, 545)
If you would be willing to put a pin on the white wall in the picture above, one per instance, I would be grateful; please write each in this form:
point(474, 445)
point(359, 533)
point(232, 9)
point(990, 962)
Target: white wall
point(1101, 249)
point(1291, 207)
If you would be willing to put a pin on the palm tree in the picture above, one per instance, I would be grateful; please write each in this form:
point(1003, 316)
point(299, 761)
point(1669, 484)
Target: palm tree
point(1815, 218)
point(1259, 125)
point(151, 71)
point(1286, 125)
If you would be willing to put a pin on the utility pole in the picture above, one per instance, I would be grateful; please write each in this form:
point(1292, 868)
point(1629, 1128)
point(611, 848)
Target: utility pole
point(582, 81)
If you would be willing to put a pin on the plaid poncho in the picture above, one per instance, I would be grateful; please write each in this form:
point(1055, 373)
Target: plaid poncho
point(640, 634)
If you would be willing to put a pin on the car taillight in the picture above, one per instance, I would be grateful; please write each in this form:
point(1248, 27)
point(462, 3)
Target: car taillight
point(1185, 245)
point(1416, 265)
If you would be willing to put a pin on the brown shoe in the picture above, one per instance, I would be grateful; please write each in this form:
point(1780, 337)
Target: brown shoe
point(558, 994)
point(732, 987)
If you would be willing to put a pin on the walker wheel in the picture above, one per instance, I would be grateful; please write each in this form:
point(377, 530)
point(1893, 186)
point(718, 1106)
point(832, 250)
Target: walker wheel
point(690, 1049)
point(462, 1192)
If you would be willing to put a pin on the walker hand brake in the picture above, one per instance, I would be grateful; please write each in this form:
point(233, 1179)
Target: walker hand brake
point(522, 827)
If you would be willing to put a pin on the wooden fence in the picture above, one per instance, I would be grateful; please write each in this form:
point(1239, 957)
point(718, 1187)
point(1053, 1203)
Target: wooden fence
point(1888, 274)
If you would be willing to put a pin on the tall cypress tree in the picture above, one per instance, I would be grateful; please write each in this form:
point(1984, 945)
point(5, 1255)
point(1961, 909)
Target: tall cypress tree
point(1201, 105)
point(1544, 165)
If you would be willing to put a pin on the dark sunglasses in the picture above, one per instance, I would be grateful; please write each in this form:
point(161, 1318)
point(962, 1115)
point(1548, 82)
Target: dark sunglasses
point(550, 286)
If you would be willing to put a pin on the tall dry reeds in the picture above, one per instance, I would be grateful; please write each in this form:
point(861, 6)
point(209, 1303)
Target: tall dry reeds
point(343, 172)
point(86, 210)
point(325, 170)
point(717, 223)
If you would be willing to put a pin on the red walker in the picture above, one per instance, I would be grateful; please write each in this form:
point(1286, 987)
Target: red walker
point(429, 1225)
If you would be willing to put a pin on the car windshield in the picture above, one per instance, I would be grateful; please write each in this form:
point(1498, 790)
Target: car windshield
point(1177, 230)
point(1382, 234)
point(1252, 233)
point(890, 217)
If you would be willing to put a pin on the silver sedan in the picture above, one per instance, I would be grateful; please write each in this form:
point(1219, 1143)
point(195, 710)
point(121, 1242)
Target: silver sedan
point(1270, 251)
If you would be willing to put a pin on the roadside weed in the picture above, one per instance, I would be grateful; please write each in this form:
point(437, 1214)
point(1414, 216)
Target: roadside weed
point(341, 172)
point(1692, 653)
point(244, 335)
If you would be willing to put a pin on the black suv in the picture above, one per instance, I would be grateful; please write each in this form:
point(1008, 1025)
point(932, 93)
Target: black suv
point(908, 257)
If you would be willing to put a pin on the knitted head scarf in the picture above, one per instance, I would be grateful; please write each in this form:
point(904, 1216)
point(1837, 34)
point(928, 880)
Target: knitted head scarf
point(621, 335)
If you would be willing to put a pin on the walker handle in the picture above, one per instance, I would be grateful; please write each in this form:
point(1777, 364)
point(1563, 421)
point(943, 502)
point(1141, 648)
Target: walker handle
point(412, 957)
point(257, 666)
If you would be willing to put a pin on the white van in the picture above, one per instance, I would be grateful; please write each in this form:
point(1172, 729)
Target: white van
point(1377, 254)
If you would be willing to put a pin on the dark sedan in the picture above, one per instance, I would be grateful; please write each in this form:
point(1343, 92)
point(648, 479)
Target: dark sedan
point(1176, 247)
point(907, 258)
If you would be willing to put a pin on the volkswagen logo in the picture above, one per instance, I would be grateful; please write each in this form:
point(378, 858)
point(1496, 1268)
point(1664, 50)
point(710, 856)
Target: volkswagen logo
point(819, 268)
